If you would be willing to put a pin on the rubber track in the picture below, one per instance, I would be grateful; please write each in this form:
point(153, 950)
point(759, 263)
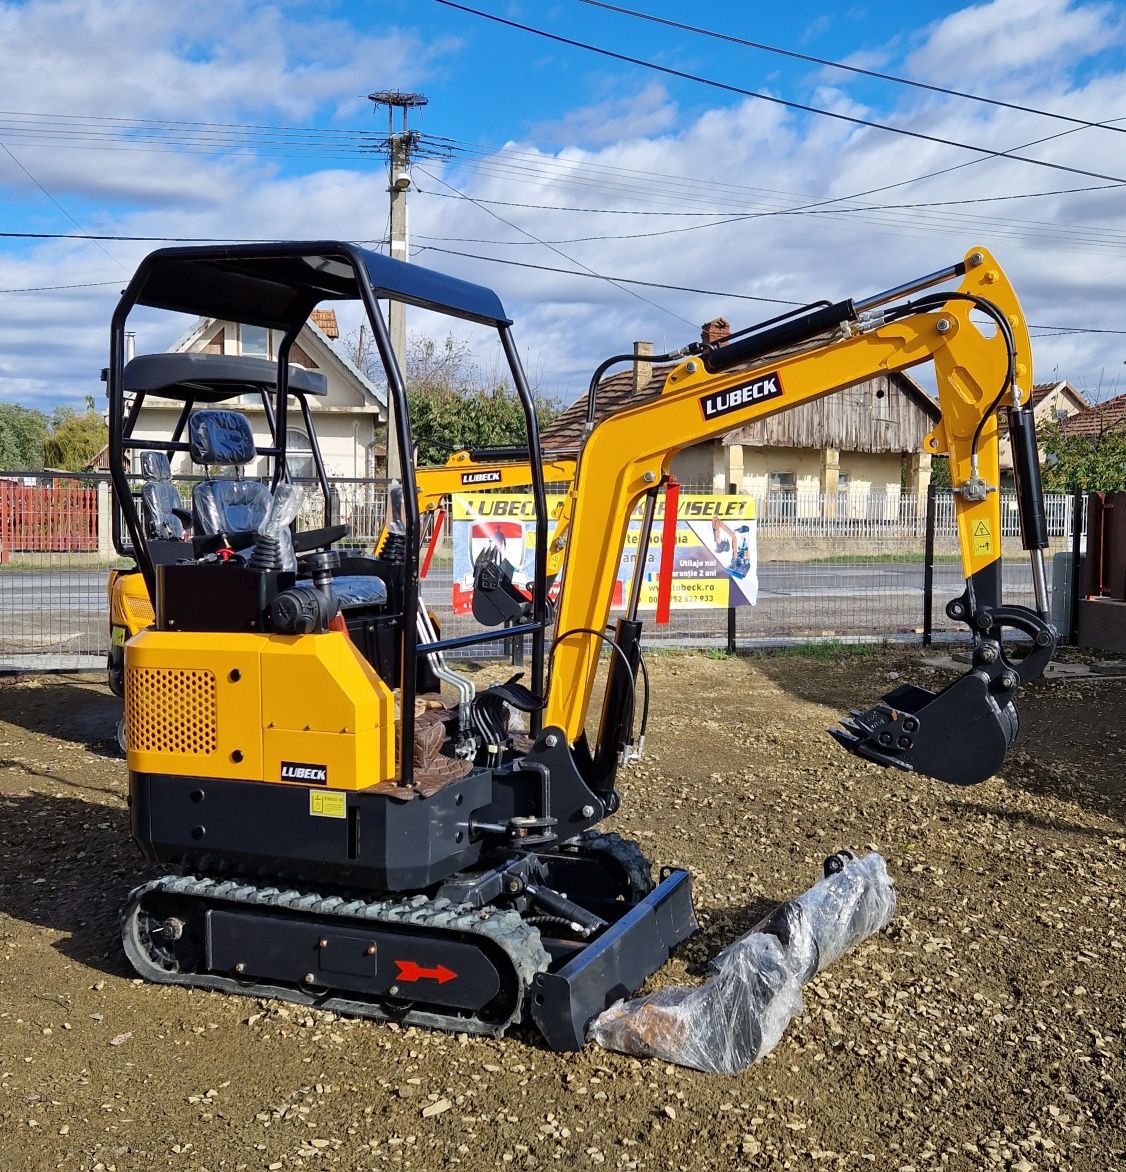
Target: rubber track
point(625, 852)
point(520, 942)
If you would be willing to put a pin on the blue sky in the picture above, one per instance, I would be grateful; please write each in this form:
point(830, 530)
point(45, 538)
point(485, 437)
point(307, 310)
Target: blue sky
point(118, 121)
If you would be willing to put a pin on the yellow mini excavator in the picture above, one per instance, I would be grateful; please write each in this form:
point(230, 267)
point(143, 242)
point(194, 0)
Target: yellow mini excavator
point(334, 832)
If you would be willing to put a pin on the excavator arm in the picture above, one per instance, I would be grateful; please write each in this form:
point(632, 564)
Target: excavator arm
point(491, 468)
point(959, 735)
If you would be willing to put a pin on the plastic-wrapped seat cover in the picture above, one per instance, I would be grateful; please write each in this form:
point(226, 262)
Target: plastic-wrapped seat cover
point(159, 498)
point(230, 506)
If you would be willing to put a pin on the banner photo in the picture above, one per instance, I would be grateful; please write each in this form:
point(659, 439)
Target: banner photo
point(715, 563)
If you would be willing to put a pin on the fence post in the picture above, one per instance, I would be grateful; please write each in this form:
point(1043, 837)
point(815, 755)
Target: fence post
point(730, 628)
point(1077, 510)
point(105, 522)
point(928, 567)
point(4, 526)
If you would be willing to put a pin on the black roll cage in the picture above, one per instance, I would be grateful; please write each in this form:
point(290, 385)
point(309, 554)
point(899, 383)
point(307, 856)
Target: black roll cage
point(278, 285)
point(209, 379)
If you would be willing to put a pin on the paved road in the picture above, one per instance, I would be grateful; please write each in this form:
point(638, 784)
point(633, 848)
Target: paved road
point(64, 612)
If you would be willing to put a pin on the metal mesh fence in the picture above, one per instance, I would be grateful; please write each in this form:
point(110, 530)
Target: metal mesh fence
point(850, 566)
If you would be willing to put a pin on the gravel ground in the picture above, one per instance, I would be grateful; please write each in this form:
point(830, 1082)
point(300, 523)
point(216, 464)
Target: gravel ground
point(982, 1030)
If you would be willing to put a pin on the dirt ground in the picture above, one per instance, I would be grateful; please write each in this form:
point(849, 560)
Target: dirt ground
point(983, 1029)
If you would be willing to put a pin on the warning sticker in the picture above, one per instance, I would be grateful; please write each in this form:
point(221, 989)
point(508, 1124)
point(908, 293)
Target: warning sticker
point(982, 536)
point(327, 804)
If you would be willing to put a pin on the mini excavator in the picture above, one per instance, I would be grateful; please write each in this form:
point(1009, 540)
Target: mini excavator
point(328, 830)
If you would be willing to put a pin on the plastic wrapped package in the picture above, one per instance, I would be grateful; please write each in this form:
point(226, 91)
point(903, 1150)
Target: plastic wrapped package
point(753, 988)
point(275, 528)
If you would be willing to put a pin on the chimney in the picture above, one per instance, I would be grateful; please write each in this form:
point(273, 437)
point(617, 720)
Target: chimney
point(326, 320)
point(715, 331)
point(642, 370)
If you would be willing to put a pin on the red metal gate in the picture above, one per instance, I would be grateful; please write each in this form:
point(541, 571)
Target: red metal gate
point(59, 517)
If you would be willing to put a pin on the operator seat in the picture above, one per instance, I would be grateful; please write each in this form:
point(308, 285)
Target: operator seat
point(164, 513)
point(225, 439)
point(218, 437)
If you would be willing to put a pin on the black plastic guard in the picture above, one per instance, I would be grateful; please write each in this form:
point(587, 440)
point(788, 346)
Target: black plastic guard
point(564, 1003)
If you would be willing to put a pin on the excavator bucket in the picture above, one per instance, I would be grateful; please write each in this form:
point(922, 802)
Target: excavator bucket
point(959, 735)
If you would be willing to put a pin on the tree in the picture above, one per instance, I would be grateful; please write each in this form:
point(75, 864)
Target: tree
point(74, 440)
point(1095, 462)
point(453, 403)
point(21, 437)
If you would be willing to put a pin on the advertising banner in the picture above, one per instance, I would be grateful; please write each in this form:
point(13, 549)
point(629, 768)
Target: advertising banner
point(714, 564)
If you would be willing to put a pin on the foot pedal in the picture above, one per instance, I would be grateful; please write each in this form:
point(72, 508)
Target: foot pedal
point(959, 735)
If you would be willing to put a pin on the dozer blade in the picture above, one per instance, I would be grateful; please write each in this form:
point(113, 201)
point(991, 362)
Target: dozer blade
point(959, 735)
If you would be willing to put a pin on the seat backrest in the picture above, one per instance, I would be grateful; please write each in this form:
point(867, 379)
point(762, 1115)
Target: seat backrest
point(229, 506)
point(217, 437)
point(159, 498)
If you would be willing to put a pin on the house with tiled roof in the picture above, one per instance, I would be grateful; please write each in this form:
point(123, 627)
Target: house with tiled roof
point(850, 454)
point(350, 419)
point(1097, 420)
point(1052, 402)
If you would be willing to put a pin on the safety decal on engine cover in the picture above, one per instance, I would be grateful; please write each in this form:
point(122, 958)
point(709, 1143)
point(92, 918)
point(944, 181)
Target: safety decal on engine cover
point(330, 803)
point(309, 774)
point(490, 477)
point(768, 386)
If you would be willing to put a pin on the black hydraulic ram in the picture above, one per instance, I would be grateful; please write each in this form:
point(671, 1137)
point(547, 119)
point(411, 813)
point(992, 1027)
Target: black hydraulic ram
point(778, 334)
point(805, 324)
point(1030, 497)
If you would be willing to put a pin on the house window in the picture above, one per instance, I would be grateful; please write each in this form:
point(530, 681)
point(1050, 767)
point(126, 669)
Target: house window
point(254, 341)
point(299, 455)
point(782, 496)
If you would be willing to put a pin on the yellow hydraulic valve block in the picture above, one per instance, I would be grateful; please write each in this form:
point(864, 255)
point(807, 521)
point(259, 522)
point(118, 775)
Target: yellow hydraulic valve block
point(297, 709)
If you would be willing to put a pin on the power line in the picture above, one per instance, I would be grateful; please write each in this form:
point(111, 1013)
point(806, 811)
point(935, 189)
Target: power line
point(44, 190)
point(590, 271)
point(617, 280)
point(1061, 331)
point(720, 85)
point(921, 85)
point(706, 292)
point(56, 288)
point(503, 203)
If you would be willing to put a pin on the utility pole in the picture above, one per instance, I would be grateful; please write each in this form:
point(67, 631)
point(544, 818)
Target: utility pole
point(399, 148)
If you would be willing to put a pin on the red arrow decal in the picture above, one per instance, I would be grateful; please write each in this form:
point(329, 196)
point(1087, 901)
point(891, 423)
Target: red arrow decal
point(410, 970)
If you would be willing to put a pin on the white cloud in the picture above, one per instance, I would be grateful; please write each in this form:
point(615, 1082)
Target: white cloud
point(615, 119)
point(1064, 253)
point(1013, 39)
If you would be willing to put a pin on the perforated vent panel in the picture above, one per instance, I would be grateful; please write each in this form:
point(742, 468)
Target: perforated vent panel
point(170, 711)
point(140, 609)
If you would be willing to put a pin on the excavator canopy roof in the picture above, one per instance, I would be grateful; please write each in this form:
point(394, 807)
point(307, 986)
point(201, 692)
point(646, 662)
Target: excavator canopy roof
point(278, 285)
